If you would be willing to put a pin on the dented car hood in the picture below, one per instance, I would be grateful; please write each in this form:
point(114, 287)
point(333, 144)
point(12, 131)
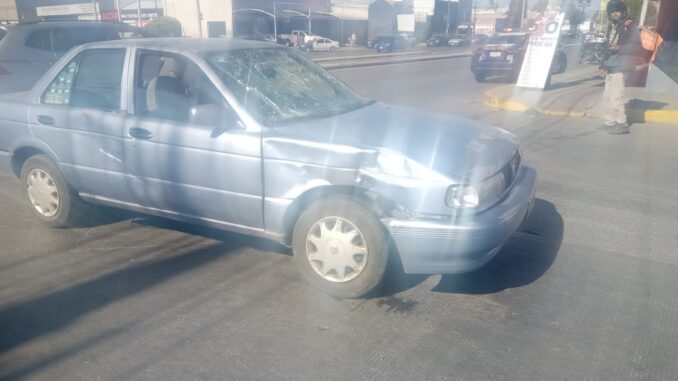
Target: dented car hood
point(454, 147)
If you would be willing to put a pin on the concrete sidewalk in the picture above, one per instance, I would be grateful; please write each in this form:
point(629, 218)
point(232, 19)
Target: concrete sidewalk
point(579, 94)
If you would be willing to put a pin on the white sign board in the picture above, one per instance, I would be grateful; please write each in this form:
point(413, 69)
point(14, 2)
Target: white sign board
point(405, 23)
point(69, 9)
point(540, 51)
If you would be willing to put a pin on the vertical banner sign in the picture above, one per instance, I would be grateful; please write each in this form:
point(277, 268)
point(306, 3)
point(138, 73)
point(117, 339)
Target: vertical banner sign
point(540, 51)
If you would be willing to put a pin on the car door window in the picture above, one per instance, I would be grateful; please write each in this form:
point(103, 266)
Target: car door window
point(91, 80)
point(40, 39)
point(64, 39)
point(167, 86)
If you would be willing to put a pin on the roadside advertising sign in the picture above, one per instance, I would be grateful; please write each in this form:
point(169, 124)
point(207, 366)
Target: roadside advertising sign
point(540, 51)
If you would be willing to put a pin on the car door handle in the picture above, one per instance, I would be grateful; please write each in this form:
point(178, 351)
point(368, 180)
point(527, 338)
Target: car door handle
point(140, 133)
point(46, 120)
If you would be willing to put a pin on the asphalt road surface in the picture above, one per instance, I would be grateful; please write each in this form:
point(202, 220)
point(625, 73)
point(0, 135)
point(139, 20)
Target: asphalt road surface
point(585, 291)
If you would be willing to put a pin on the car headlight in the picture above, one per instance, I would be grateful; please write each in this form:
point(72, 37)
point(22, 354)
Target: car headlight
point(463, 196)
point(394, 167)
point(481, 196)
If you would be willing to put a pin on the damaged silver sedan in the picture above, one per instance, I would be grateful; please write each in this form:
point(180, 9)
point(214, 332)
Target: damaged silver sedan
point(257, 139)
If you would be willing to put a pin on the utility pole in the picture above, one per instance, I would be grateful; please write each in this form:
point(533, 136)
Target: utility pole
point(197, 7)
point(275, 23)
point(447, 28)
point(139, 13)
point(309, 21)
point(94, 10)
point(117, 6)
point(522, 15)
point(475, 10)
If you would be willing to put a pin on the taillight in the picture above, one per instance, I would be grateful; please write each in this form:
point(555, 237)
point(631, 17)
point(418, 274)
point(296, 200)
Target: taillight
point(3, 71)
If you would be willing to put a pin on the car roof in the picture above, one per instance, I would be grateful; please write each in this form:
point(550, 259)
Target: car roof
point(195, 45)
point(86, 24)
point(512, 34)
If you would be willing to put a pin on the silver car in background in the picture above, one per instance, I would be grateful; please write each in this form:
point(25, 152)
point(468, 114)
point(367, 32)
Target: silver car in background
point(257, 139)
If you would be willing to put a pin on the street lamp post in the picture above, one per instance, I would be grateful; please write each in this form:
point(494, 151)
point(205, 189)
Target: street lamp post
point(340, 19)
point(275, 28)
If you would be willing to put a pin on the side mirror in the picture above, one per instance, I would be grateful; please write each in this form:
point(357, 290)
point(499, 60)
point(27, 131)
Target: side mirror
point(216, 116)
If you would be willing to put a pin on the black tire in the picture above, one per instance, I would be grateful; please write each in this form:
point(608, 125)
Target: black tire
point(332, 48)
point(480, 77)
point(371, 231)
point(70, 206)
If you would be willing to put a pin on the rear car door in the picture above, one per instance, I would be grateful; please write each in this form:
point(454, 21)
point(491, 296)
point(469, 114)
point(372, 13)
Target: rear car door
point(79, 116)
point(204, 170)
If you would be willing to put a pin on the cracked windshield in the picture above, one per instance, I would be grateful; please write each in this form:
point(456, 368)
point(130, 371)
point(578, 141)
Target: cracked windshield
point(338, 189)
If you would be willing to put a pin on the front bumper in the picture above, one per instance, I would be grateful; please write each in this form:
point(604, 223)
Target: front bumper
point(467, 243)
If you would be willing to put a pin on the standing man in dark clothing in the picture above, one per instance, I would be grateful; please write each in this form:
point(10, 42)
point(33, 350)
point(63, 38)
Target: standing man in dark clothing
point(623, 41)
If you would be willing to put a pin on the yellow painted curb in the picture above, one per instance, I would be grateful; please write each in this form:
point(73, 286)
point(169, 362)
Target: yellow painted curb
point(508, 105)
point(662, 116)
point(634, 115)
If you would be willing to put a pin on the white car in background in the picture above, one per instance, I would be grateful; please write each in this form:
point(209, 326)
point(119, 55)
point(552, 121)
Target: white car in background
point(323, 45)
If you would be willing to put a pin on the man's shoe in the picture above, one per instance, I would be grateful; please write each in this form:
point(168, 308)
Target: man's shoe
point(620, 128)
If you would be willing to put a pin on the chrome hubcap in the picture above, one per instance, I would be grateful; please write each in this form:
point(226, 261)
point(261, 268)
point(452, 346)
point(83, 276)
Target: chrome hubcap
point(43, 193)
point(336, 249)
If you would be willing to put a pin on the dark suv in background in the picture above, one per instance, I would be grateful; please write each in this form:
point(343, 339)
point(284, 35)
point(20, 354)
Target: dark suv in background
point(27, 50)
point(402, 41)
point(504, 54)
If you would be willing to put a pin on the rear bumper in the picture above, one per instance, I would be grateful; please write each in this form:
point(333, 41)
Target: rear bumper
point(467, 243)
point(493, 67)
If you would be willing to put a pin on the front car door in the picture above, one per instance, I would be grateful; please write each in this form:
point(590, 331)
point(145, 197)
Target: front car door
point(79, 115)
point(209, 171)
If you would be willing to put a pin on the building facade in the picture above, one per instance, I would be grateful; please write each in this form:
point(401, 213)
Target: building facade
point(202, 18)
point(8, 11)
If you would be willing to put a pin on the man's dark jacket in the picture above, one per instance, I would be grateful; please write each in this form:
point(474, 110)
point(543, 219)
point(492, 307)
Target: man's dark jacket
point(627, 36)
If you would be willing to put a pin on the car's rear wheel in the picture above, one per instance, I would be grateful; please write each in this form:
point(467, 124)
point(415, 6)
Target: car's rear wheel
point(49, 196)
point(480, 77)
point(340, 245)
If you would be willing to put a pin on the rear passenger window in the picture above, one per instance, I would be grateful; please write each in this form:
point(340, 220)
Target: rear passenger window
point(91, 80)
point(64, 39)
point(40, 39)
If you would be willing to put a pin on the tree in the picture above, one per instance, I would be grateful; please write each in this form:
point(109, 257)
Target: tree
point(164, 27)
point(634, 9)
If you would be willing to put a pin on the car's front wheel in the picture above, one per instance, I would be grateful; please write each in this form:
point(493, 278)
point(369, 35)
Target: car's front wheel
point(341, 246)
point(479, 76)
point(49, 196)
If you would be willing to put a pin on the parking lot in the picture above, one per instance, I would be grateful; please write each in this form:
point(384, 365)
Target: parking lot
point(584, 290)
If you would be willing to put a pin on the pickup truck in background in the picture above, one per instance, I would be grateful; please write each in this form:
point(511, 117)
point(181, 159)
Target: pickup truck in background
point(297, 38)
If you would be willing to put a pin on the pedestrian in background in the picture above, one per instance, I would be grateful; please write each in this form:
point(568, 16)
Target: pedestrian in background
point(623, 48)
